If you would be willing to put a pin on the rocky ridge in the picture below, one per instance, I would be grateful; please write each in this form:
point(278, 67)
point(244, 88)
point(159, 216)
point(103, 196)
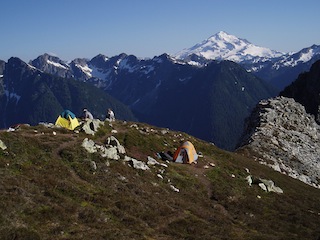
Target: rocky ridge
point(283, 136)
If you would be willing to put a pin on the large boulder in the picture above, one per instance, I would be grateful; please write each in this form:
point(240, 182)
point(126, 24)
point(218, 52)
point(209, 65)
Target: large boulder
point(91, 126)
point(283, 136)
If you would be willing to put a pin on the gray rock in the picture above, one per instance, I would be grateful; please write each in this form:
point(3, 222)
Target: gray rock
point(136, 163)
point(283, 136)
point(2, 145)
point(89, 145)
point(152, 161)
point(91, 126)
point(109, 152)
point(112, 141)
point(270, 186)
point(92, 147)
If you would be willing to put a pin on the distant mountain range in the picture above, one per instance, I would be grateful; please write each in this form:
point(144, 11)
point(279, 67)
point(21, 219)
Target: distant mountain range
point(280, 69)
point(207, 90)
point(28, 95)
point(209, 101)
point(277, 68)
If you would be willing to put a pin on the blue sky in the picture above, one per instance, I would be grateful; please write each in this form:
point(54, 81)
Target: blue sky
point(147, 28)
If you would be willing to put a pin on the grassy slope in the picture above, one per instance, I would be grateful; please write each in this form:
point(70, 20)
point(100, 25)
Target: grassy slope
point(49, 190)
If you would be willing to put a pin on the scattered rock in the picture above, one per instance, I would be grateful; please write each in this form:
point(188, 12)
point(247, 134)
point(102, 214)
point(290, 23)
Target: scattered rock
point(174, 188)
point(112, 141)
point(136, 163)
point(93, 165)
point(2, 145)
point(159, 176)
point(89, 145)
point(152, 161)
point(269, 184)
point(266, 185)
point(249, 180)
point(111, 150)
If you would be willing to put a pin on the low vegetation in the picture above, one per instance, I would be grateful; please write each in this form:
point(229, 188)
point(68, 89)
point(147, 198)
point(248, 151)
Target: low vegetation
point(52, 188)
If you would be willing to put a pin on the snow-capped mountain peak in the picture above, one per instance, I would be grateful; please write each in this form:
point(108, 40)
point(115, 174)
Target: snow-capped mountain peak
point(224, 46)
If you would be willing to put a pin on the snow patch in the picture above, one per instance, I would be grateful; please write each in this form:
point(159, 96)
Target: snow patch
point(193, 63)
point(59, 65)
point(98, 73)
point(85, 69)
point(124, 65)
point(147, 69)
point(184, 79)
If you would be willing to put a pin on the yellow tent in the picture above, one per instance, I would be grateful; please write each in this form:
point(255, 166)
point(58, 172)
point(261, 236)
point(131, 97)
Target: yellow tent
point(186, 153)
point(67, 120)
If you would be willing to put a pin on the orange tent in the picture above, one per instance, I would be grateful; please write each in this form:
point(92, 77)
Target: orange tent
point(186, 153)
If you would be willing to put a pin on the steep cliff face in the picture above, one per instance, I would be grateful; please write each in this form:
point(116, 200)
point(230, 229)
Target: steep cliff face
point(283, 136)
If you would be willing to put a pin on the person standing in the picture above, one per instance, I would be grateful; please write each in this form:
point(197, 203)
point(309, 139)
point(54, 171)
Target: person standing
point(87, 115)
point(111, 115)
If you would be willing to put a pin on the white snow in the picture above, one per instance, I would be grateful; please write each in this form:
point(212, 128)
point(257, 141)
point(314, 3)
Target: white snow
point(147, 69)
point(124, 65)
point(32, 67)
point(292, 60)
point(98, 73)
point(184, 79)
point(118, 62)
point(85, 69)
point(223, 46)
point(305, 57)
point(59, 65)
point(193, 63)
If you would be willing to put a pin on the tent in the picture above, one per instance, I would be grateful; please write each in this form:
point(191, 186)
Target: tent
point(186, 153)
point(68, 120)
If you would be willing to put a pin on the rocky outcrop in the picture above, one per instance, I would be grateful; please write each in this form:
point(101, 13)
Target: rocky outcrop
point(91, 126)
point(2, 145)
point(283, 136)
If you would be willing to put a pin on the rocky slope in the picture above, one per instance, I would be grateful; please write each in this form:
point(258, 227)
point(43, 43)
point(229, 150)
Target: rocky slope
point(283, 136)
point(279, 69)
